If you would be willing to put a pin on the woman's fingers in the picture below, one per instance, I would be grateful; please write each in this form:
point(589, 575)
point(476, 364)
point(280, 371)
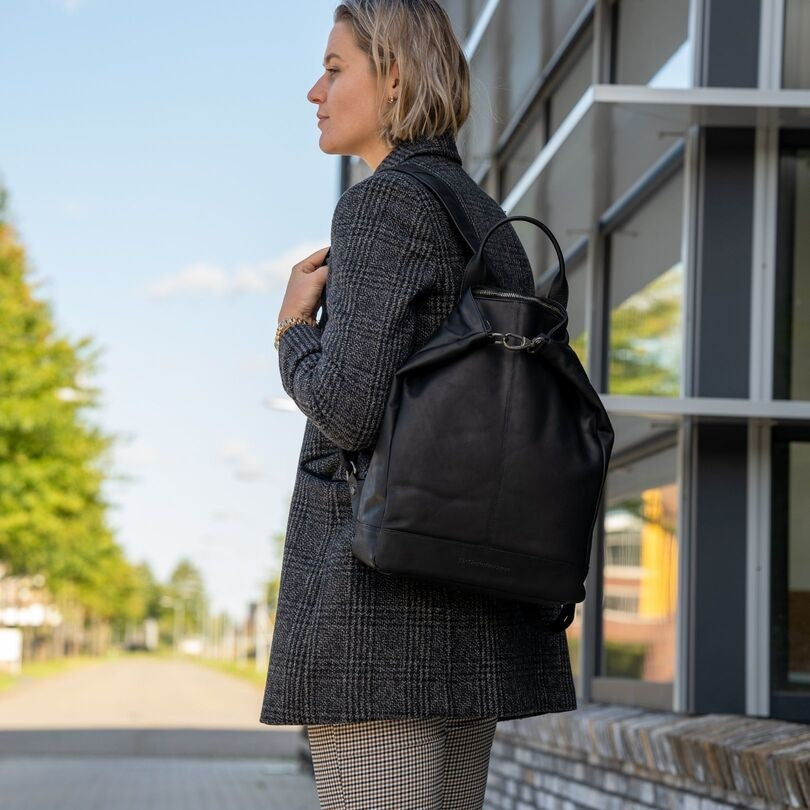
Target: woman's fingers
point(313, 261)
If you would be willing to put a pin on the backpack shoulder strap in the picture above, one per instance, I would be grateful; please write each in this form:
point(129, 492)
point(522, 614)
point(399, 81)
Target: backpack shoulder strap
point(446, 196)
point(449, 199)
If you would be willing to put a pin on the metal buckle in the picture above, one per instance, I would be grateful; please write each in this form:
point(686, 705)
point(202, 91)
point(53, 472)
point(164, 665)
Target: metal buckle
point(352, 472)
point(503, 339)
point(530, 344)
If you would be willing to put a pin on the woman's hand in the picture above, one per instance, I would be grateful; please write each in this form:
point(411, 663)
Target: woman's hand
point(304, 288)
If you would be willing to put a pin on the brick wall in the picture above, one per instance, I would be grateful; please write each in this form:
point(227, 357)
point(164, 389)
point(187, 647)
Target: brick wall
point(603, 757)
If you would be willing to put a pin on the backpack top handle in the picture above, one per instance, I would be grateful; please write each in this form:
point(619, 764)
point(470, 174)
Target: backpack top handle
point(559, 287)
point(477, 271)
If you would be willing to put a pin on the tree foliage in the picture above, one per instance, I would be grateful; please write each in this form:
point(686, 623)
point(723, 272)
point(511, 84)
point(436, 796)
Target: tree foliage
point(53, 461)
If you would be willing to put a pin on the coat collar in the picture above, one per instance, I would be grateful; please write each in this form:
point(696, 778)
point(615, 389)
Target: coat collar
point(444, 145)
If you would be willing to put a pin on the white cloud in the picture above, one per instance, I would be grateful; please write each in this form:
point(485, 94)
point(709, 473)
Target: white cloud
point(70, 6)
point(237, 455)
point(194, 278)
point(280, 403)
point(208, 279)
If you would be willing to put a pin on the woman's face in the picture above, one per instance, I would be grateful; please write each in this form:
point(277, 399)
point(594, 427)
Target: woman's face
point(348, 96)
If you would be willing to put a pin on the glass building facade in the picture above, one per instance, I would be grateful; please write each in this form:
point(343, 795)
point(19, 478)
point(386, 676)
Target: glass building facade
point(667, 145)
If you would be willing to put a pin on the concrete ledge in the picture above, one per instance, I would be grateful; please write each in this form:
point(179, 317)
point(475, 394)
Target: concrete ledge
point(764, 762)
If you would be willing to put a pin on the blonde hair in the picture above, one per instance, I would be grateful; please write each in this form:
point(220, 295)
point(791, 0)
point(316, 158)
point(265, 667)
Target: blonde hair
point(434, 77)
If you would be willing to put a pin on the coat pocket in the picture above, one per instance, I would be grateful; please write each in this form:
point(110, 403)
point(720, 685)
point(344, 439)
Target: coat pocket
point(326, 468)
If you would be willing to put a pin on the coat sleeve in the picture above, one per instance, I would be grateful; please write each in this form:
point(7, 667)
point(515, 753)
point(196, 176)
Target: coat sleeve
point(382, 259)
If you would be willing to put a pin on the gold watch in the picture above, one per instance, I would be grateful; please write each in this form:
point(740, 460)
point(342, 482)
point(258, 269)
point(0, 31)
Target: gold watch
point(284, 325)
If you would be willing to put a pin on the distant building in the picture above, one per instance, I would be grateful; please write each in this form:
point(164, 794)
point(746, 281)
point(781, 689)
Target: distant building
point(667, 145)
point(26, 602)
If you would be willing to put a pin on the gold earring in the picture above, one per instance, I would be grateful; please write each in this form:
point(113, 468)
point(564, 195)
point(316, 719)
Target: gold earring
point(390, 99)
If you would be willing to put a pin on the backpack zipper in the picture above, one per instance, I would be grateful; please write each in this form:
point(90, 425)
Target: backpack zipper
point(489, 291)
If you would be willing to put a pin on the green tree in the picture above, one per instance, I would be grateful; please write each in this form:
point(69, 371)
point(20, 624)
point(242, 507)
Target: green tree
point(53, 462)
point(187, 590)
point(149, 590)
point(645, 339)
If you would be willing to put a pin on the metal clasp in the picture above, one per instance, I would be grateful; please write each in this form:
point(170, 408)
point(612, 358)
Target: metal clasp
point(530, 344)
point(503, 339)
point(353, 470)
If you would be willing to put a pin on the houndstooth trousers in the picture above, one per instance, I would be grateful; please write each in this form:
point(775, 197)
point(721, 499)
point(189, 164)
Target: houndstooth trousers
point(432, 763)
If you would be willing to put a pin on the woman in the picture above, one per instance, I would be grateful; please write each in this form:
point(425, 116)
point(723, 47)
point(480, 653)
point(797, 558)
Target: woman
point(399, 681)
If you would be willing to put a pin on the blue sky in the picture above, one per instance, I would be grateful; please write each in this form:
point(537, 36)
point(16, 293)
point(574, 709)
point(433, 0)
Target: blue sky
point(164, 174)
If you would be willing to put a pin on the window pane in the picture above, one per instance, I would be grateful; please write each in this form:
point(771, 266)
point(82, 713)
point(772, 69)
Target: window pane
point(632, 143)
point(791, 564)
point(651, 44)
point(577, 333)
point(601, 160)
point(463, 14)
point(792, 317)
point(796, 64)
point(533, 32)
point(358, 170)
point(640, 572)
point(519, 41)
point(575, 81)
point(528, 140)
point(560, 198)
point(478, 137)
point(645, 296)
point(576, 276)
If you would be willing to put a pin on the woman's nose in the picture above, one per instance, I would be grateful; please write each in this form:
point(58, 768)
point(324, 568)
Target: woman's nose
point(314, 94)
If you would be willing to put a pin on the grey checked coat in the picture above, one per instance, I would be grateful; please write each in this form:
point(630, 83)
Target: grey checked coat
point(349, 643)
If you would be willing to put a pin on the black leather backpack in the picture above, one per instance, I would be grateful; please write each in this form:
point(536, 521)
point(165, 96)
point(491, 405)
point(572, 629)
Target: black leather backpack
point(492, 454)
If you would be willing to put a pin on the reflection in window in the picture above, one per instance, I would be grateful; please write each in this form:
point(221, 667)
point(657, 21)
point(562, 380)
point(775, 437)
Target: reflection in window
point(577, 332)
point(640, 573)
point(518, 43)
point(796, 56)
point(463, 14)
point(792, 321)
point(790, 566)
point(558, 199)
point(645, 296)
point(548, 112)
point(651, 44)
point(578, 73)
point(528, 140)
point(530, 33)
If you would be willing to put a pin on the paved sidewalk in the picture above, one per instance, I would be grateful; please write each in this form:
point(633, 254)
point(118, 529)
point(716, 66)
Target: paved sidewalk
point(151, 734)
point(124, 783)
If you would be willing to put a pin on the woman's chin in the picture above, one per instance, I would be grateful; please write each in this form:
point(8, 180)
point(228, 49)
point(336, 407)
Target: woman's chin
point(328, 145)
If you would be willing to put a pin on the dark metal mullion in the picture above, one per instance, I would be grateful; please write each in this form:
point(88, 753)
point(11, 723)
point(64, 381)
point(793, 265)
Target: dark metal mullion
point(780, 448)
point(784, 702)
point(613, 35)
